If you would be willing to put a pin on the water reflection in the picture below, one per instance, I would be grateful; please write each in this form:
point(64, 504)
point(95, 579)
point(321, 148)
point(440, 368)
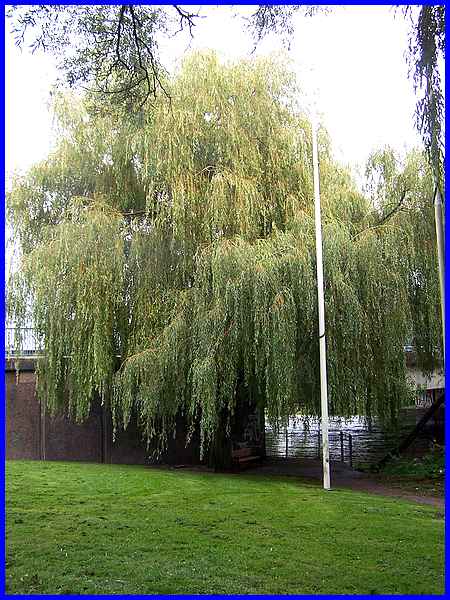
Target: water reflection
point(353, 440)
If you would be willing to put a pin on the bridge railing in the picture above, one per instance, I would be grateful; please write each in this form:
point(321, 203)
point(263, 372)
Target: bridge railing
point(22, 342)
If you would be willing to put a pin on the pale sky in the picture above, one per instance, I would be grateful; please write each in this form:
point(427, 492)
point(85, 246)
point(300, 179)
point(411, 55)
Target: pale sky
point(356, 54)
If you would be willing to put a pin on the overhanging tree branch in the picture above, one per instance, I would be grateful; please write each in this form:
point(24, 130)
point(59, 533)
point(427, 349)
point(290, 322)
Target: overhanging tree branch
point(385, 218)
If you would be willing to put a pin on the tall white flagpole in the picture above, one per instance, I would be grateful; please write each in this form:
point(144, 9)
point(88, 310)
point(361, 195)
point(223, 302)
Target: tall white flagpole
point(321, 306)
point(438, 206)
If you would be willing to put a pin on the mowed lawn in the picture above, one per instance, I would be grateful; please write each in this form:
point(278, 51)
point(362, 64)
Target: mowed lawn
point(76, 528)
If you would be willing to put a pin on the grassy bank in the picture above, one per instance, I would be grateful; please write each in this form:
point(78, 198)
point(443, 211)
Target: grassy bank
point(423, 475)
point(104, 529)
point(430, 466)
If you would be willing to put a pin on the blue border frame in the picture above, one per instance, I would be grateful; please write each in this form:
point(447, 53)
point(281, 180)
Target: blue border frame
point(2, 461)
point(3, 391)
point(447, 421)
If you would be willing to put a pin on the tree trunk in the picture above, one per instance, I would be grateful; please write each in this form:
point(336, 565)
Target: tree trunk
point(220, 454)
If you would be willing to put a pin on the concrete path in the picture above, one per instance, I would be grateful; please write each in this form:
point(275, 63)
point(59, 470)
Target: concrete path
point(341, 477)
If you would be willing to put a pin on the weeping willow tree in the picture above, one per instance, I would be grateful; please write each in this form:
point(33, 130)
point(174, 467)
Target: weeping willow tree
point(168, 257)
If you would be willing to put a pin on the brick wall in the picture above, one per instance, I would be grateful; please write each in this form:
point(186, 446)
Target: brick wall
point(33, 434)
point(23, 434)
point(66, 440)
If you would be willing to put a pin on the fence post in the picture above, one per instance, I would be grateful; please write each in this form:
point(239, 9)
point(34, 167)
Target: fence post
point(287, 442)
point(350, 449)
point(341, 436)
point(318, 443)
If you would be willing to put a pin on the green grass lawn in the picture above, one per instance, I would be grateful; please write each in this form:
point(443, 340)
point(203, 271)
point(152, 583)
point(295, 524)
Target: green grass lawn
point(105, 529)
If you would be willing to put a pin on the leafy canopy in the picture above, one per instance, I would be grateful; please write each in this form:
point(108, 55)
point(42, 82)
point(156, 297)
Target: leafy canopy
point(169, 256)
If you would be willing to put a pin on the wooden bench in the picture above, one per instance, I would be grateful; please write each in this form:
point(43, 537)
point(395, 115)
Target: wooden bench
point(245, 456)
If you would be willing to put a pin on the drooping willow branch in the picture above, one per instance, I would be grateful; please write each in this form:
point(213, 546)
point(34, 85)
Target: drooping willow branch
point(210, 298)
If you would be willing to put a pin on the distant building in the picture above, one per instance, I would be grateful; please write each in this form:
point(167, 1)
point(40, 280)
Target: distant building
point(428, 386)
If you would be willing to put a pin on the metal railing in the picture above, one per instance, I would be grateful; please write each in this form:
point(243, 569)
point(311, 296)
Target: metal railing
point(30, 344)
point(341, 445)
point(351, 441)
point(22, 342)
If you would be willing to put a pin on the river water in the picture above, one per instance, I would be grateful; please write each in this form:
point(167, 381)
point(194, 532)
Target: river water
point(352, 440)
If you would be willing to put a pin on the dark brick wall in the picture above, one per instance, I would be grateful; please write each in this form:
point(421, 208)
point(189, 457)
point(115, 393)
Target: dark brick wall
point(32, 435)
point(178, 453)
point(66, 440)
point(128, 447)
point(23, 411)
